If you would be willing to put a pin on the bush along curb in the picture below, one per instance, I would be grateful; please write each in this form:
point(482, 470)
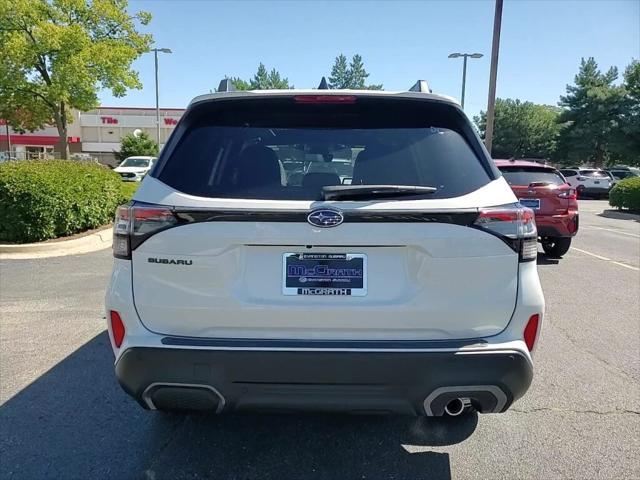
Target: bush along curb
point(626, 194)
point(89, 243)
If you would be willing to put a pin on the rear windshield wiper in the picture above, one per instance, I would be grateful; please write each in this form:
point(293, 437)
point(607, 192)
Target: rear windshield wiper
point(366, 192)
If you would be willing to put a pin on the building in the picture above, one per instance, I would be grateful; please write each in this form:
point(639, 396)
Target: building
point(96, 133)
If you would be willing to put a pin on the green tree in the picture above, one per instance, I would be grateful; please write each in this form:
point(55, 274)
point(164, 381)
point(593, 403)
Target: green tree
point(591, 117)
point(357, 73)
point(57, 54)
point(522, 129)
point(240, 84)
point(132, 145)
point(262, 80)
point(627, 138)
point(352, 76)
point(339, 77)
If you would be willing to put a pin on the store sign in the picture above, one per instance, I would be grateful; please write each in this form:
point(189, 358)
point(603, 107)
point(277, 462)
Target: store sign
point(127, 121)
point(109, 120)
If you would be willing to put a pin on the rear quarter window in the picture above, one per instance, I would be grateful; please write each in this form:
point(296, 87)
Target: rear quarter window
point(279, 150)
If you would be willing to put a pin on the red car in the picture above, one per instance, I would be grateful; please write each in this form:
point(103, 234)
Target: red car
point(543, 189)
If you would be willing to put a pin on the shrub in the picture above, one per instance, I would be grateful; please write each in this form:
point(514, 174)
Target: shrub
point(53, 198)
point(626, 194)
point(128, 189)
point(141, 145)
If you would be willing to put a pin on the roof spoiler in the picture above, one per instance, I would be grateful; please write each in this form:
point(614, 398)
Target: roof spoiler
point(421, 86)
point(226, 85)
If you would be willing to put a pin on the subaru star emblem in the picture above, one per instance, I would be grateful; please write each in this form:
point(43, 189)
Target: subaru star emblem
point(325, 218)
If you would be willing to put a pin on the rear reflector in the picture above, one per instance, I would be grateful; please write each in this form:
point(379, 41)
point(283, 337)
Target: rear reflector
point(531, 330)
point(325, 99)
point(117, 328)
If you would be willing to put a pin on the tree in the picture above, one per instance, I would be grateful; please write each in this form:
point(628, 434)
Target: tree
point(522, 129)
point(57, 54)
point(353, 76)
point(240, 84)
point(591, 117)
point(132, 145)
point(339, 77)
point(627, 137)
point(357, 74)
point(262, 80)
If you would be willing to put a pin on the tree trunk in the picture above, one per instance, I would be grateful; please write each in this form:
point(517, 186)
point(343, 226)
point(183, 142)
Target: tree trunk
point(60, 116)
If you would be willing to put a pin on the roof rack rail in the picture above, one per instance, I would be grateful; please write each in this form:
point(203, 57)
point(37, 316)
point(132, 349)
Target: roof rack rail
point(226, 85)
point(323, 84)
point(421, 86)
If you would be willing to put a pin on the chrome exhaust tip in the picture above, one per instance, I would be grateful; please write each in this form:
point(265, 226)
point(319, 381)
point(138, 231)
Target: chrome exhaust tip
point(456, 406)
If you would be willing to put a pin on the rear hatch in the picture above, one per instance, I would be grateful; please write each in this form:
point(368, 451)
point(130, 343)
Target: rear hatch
point(594, 179)
point(541, 189)
point(244, 247)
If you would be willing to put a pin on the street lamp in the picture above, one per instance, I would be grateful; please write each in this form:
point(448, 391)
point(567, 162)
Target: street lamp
point(155, 52)
point(464, 69)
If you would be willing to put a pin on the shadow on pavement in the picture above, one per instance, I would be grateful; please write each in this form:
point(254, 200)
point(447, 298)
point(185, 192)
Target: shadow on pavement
point(545, 260)
point(618, 215)
point(75, 422)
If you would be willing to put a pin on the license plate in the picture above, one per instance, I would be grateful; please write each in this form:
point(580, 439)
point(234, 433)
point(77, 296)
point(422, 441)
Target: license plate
point(532, 203)
point(341, 274)
point(597, 182)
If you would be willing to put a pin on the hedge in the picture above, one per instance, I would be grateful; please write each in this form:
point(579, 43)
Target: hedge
point(45, 199)
point(626, 194)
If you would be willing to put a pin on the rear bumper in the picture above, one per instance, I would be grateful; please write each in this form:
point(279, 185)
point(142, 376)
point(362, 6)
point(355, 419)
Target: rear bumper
point(406, 382)
point(557, 225)
point(582, 190)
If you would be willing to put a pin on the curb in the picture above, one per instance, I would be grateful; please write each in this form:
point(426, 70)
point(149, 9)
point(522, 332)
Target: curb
point(90, 243)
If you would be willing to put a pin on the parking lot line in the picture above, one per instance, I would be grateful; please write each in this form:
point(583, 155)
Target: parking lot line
point(611, 230)
point(600, 257)
point(627, 266)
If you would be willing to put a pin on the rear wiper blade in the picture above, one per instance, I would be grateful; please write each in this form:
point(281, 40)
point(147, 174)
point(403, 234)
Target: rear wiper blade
point(365, 192)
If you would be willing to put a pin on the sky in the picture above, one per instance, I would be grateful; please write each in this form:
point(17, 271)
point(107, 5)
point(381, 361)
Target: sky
point(542, 42)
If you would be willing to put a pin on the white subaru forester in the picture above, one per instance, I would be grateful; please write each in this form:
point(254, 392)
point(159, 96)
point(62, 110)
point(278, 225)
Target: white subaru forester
point(353, 251)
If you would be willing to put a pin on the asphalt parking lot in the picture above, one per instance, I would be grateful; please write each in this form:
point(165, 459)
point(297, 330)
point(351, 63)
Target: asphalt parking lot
point(62, 414)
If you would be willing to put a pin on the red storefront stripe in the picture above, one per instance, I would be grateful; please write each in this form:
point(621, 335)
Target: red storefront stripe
point(30, 139)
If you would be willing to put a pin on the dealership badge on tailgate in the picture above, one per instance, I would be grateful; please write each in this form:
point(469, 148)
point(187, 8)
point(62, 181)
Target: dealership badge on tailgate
point(340, 274)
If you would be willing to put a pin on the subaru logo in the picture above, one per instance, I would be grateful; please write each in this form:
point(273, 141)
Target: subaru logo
point(325, 218)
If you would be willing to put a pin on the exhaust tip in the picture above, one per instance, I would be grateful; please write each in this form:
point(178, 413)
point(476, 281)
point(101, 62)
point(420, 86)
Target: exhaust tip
point(456, 406)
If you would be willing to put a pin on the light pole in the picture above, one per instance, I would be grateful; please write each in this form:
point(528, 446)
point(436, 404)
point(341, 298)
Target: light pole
point(464, 69)
point(155, 52)
point(493, 76)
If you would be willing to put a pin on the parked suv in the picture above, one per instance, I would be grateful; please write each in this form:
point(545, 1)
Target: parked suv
point(134, 169)
point(588, 182)
point(543, 189)
point(413, 289)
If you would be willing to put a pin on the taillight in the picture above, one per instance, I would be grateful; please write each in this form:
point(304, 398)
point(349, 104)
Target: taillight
point(325, 99)
point(117, 328)
point(568, 194)
point(515, 224)
point(531, 331)
point(136, 223)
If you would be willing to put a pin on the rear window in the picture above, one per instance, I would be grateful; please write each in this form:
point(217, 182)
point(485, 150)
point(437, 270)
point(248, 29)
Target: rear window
point(527, 176)
point(622, 174)
point(593, 173)
point(279, 150)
